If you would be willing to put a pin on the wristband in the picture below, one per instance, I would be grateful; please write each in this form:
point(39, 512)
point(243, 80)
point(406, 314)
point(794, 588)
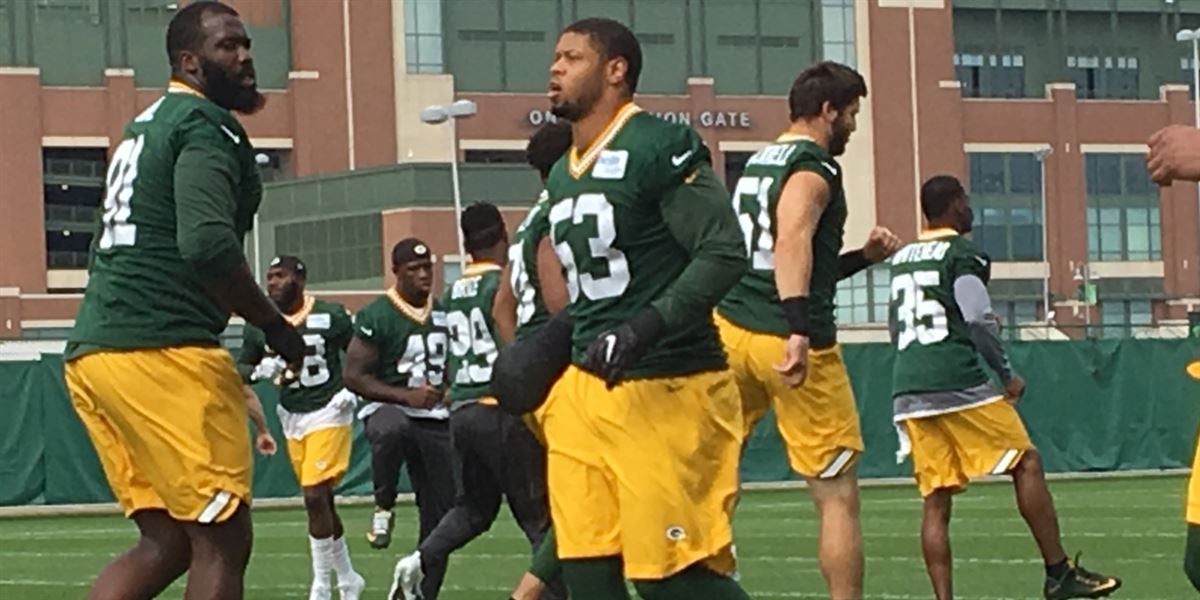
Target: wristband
point(795, 310)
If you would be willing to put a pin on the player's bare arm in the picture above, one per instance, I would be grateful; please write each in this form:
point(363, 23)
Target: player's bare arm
point(550, 278)
point(801, 202)
point(504, 308)
point(263, 440)
point(361, 359)
point(1174, 154)
point(881, 245)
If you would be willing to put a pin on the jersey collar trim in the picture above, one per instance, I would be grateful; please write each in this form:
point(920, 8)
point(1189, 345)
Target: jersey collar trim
point(179, 87)
point(578, 165)
point(420, 315)
point(793, 137)
point(299, 317)
point(479, 268)
point(941, 232)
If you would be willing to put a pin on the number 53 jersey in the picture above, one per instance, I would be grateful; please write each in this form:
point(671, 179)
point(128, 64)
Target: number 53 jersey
point(933, 343)
point(618, 253)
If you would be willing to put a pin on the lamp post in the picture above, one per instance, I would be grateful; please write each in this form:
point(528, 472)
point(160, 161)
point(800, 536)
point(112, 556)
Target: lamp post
point(437, 114)
point(1041, 156)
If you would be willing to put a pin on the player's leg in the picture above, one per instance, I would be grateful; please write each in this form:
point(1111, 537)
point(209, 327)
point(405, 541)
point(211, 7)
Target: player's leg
point(433, 484)
point(839, 542)
point(321, 459)
point(220, 553)
point(935, 542)
point(523, 475)
point(1191, 556)
point(545, 567)
point(385, 429)
point(159, 557)
point(1037, 508)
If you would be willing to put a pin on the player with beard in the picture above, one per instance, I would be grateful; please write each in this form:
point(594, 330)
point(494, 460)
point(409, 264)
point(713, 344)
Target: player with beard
point(397, 362)
point(643, 429)
point(161, 400)
point(316, 414)
point(792, 208)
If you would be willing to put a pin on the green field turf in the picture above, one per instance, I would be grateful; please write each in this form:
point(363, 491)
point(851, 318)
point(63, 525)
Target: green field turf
point(1132, 528)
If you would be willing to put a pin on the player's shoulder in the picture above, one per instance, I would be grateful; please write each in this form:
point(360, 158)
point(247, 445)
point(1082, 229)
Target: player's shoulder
point(652, 135)
point(807, 155)
point(374, 308)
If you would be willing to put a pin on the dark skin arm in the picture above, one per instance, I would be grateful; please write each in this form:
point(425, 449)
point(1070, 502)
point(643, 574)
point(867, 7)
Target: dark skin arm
point(359, 376)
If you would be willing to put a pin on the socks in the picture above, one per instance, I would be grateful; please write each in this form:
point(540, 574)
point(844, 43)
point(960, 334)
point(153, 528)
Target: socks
point(1057, 571)
point(339, 556)
point(322, 550)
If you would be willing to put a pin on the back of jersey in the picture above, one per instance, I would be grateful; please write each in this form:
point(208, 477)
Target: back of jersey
point(933, 343)
point(468, 315)
point(141, 292)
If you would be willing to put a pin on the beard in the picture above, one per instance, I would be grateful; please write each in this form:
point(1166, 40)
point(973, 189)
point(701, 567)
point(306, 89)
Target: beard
point(838, 138)
point(968, 221)
point(574, 110)
point(227, 90)
point(286, 298)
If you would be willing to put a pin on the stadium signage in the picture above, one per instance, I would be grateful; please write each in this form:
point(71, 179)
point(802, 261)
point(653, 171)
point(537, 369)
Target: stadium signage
point(709, 119)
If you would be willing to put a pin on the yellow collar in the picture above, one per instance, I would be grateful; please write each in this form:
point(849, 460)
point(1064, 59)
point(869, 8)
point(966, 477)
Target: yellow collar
point(940, 232)
point(786, 137)
point(480, 267)
point(300, 316)
point(579, 165)
point(420, 315)
point(179, 87)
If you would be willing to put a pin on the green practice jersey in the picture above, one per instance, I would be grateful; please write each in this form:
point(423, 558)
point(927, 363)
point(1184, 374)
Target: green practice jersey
point(523, 274)
point(468, 312)
point(411, 342)
point(618, 252)
point(754, 302)
point(182, 190)
point(326, 327)
point(933, 344)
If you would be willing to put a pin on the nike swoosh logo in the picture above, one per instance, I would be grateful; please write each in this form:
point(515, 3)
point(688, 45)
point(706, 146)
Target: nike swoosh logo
point(832, 169)
point(367, 331)
point(232, 135)
point(610, 343)
point(983, 261)
point(678, 160)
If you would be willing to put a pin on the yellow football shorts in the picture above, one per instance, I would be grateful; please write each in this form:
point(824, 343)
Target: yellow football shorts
point(951, 449)
point(818, 421)
point(323, 455)
point(170, 428)
point(647, 470)
point(1193, 497)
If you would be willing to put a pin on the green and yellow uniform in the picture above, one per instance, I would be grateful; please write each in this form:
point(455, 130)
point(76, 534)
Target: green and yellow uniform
point(467, 307)
point(161, 400)
point(819, 420)
point(523, 273)
point(412, 346)
point(637, 220)
point(955, 423)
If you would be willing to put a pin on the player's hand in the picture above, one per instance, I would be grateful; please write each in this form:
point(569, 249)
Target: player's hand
point(794, 368)
point(265, 443)
point(426, 397)
point(1014, 389)
point(270, 368)
point(881, 244)
point(286, 341)
point(344, 400)
point(1174, 154)
point(609, 355)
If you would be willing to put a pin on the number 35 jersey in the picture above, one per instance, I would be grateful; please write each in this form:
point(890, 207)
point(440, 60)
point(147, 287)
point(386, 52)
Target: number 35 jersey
point(608, 231)
point(326, 328)
point(754, 302)
point(411, 343)
point(933, 344)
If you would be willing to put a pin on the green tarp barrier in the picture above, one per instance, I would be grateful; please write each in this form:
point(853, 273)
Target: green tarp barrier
point(1097, 405)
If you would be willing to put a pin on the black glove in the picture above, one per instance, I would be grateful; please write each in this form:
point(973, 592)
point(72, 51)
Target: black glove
point(525, 370)
point(285, 340)
point(619, 348)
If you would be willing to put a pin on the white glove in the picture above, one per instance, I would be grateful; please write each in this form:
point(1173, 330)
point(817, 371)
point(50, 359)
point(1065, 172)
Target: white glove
point(344, 400)
point(269, 368)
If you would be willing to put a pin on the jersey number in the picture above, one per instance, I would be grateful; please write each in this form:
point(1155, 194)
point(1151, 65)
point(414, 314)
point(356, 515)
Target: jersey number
point(919, 319)
point(118, 231)
point(604, 271)
point(314, 371)
point(751, 204)
point(519, 280)
point(424, 360)
point(469, 335)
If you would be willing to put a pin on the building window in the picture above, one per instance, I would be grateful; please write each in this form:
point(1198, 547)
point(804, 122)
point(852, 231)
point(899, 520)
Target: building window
point(735, 165)
point(1123, 216)
point(1006, 191)
point(1014, 314)
point(1104, 77)
point(451, 270)
point(1124, 318)
point(1188, 75)
point(991, 75)
point(423, 36)
point(493, 157)
point(838, 31)
point(73, 190)
point(864, 297)
point(337, 249)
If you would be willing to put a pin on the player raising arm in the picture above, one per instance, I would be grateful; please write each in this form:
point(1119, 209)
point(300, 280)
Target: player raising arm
point(160, 398)
point(955, 424)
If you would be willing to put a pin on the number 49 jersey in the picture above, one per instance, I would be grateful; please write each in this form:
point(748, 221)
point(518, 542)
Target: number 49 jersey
point(326, 328)
point(411, 343)
point(608, 231)
point(933, 343)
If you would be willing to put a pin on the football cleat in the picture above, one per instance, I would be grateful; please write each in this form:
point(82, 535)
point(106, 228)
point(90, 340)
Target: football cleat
point(380, 533)
point(320, 592)
point(406, 583)
point(352, 588)
point(1079, 582)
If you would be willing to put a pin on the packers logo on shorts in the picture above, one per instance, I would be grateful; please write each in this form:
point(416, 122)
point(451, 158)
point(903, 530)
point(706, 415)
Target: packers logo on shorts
point(676, 533)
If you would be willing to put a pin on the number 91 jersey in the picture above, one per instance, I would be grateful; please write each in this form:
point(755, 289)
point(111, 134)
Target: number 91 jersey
point(933, 343)
point(607, 227)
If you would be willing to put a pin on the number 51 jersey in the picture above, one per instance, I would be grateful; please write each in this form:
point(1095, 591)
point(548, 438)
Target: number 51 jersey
point(607, 228)
point(933, 343)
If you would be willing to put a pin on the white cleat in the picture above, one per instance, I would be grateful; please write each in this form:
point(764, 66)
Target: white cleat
point(320, 591)
point(406, 584)
point(352, 588)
